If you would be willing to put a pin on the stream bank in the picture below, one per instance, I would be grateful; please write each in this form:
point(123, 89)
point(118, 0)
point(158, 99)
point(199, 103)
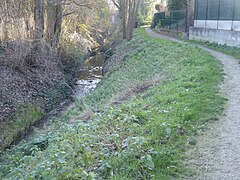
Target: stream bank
point(26, 92)
point(89, 74)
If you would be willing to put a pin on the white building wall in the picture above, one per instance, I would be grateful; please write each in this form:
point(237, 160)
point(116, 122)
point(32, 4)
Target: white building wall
point(236, 25)
point(225, 25)
point(231, 38)
point(214, 24)
point(211, 24)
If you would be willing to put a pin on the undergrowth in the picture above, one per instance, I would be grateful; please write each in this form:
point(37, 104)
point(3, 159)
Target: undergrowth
point(144, 136)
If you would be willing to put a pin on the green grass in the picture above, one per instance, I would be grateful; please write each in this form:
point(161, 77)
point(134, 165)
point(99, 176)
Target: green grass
point(143, 137)
point(232, 51)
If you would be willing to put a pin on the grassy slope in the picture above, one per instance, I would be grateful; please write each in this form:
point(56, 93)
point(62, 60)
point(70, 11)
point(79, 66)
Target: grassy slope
point(144, 136)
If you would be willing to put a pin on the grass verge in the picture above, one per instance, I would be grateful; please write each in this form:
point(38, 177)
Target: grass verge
point(232, 51)
point(142, 136)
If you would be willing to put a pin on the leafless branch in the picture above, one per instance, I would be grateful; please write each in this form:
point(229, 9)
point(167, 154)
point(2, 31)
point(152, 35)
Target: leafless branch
point(116, 4)
point(67, 14)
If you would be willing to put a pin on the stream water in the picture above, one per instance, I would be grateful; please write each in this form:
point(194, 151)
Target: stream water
point(90, 75)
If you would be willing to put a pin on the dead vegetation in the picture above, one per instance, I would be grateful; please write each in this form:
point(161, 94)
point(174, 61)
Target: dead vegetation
point(133, 90)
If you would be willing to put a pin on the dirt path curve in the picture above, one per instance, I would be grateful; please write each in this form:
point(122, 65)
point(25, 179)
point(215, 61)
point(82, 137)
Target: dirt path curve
point(217, 154)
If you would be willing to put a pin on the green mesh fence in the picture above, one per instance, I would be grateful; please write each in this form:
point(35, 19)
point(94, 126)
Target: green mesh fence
point(174, 20)
point(156, 18)
point(217, 10)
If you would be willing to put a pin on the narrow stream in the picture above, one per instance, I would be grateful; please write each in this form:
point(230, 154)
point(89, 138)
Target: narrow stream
point(90, 75)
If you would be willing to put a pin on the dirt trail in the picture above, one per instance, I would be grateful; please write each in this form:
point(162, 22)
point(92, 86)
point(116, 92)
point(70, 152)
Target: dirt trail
point(217, 154)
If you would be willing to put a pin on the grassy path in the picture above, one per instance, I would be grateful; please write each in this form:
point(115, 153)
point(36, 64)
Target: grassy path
point(217, 154)
point(137, 124)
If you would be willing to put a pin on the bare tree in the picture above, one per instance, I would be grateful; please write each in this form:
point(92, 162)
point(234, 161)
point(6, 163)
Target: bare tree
point(124, 18)
point(190, 12)
point(39, 21)
point(132, 15)
point(54, 22)
point(4, 21)
point(128, 13)
point(31, 57)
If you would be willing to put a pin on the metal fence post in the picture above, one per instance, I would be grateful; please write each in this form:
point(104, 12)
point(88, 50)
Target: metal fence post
point(196, 10)
point(219, 2)
point(234, 6)
point(206, 15)
point(170, 20)
point(186, 21)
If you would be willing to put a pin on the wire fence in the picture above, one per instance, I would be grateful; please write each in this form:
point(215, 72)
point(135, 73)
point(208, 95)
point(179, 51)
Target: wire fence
point(173, 20)
point(156, 18)
point(217, 10)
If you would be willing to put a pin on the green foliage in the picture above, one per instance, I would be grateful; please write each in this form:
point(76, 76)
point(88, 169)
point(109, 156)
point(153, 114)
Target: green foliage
point(28, 114)
point(177, 4)
point(145, 12)
point(55, 95)
point(143, 137)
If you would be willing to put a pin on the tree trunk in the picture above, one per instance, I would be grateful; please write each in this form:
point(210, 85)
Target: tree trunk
point(133, 9)
point(54, 23)
point(5, 21)
point(128, 9)
point(190, 13)
point(58, 25)
point(130, 18)
point(124, 20)
point(27, 27)
point(39, 22)
point(31, 58)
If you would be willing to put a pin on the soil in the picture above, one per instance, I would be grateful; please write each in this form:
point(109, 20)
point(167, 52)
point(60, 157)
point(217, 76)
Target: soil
point(216, 155)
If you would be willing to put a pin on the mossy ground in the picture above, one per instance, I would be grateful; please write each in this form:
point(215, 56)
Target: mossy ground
point(141, 137)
